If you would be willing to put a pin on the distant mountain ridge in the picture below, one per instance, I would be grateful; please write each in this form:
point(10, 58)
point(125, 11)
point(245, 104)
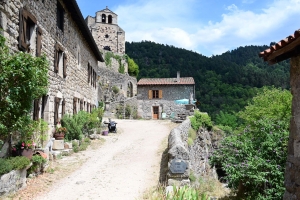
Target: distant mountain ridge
point(223, 82)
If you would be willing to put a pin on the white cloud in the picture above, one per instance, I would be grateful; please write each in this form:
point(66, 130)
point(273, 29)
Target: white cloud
point(174, 22)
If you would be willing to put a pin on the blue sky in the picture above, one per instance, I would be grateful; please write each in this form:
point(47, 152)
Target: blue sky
point(209, 27)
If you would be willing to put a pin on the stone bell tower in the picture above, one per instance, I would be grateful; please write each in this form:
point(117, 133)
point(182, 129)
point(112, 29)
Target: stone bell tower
point(106, 32)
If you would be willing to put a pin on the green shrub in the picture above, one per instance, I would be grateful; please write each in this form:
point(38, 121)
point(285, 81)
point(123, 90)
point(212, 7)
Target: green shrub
point(192, 176)
point(5, 166)
point(75, 146)
point(201, 120)
point(183, 193)
point(192, 134)
point(13, 163)
point(190, 141)
point(115, 89)
point(38, 159)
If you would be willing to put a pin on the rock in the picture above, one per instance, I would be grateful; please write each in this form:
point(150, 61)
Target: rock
point(94, 136)
point(68, 145)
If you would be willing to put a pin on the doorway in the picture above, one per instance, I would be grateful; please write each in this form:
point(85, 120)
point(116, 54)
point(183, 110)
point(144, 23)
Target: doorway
point(155, 112)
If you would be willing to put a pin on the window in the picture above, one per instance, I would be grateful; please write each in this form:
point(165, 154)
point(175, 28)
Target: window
point(155, 94)
point(44, 103)
point(26, 29)
point(60, 61)
point(81, 104)
point(92, 76)
point(60, 16)
point(103, 18)
point(109, 19)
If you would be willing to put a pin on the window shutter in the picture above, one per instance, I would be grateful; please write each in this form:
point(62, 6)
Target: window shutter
point(150, 94)
point(56, 58)
point(22, 30)
point(36, 109)
point(160, 94)
point(74, 106)
point(56, 106)
point(44, 102)
point(65, 65)
point(89, 72)
point(81, 104)
point(95, 76)
point(63, 110)
point(39, 42)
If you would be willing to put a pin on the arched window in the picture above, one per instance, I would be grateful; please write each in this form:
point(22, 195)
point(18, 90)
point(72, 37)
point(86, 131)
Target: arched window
point(109, 19)
point(103, 18)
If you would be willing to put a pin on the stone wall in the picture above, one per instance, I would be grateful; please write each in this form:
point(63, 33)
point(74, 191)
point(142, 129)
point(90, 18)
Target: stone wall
point(12, 182)
point(196, 156)
point(109, 79)
point(178, 151)
point(73, 41)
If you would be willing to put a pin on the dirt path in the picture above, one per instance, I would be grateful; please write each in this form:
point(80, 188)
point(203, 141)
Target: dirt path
point(123, 168)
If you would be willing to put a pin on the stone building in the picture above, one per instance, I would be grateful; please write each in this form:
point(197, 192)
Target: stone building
point(285, 49)
point(104, 28)
point(158, 95)
point(58, 30)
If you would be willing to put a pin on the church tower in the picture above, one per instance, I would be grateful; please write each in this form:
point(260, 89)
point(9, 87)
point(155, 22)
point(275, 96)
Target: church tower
point(106, 32)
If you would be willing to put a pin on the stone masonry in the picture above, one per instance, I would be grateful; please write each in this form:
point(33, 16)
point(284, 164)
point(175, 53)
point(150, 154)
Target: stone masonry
point(76, 44)
point(104, 28)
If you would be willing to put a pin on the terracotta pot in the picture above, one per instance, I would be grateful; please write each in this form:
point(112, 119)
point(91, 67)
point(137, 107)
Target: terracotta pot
point(59, 136)
point(27, 153)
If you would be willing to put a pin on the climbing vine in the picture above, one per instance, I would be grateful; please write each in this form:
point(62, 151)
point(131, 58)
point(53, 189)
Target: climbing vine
point(23, 78)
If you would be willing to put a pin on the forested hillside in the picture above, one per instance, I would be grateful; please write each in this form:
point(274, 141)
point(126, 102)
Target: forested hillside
point(224, 82)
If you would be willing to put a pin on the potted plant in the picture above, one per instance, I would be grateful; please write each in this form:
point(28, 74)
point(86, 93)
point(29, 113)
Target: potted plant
point(23, 148)
point(60, 133)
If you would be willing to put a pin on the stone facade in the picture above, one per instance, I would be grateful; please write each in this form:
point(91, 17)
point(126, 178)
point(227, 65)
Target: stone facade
point(292, 168)
point(69, 47)
point(104, 28)
point(166, 104)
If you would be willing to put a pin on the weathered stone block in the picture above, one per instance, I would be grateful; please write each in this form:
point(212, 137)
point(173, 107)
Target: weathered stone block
point(58, 145)
point(68, 145)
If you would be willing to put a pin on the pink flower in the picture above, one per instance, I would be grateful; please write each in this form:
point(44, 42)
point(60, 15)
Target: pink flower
point(23, 144)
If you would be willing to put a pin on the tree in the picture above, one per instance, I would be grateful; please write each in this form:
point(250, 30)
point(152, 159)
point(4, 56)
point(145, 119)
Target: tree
point(254, 160)
point(23, 78)
point(133, 68)
point(270, 103)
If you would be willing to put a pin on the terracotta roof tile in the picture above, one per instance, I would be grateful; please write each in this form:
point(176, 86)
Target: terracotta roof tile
point(166, 81)
point(279, 45)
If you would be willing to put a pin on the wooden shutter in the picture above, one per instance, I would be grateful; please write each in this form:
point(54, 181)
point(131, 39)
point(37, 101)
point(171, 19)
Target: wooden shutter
point(39, 41)
point(74, 105)
point(36, 109)
point(22, 29)
point(63, 110)
point(81, 104)
point(160, 94)
point(56, 58)
point(89, 72)
point(44, 102)
point(65, 65)
point(95, 76)
point(150, 94)
point(56, 106)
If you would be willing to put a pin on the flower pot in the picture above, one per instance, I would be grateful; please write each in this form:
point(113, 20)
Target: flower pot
point(27, 153)
point(59, 136)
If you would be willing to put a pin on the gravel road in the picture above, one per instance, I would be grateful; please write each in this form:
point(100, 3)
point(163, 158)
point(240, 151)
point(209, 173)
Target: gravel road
point(123, 168)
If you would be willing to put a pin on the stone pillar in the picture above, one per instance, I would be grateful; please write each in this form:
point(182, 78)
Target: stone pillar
point(292, 169)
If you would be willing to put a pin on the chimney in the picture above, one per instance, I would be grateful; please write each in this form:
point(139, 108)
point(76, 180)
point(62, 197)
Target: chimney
point(178, 77)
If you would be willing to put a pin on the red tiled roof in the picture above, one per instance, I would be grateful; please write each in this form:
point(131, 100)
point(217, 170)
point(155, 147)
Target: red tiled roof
point(290, 42)
point(166, 81)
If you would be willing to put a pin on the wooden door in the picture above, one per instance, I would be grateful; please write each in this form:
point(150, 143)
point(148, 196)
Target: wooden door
point(155, 112)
